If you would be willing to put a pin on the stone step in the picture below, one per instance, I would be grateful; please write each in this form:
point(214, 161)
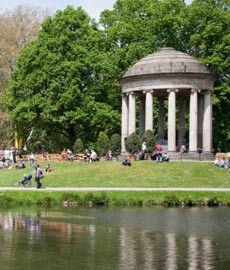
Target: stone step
point(193, 156)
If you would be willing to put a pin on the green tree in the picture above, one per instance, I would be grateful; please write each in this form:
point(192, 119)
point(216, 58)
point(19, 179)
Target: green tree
point(78, 146)
point(133, 143)
point(150, 140)
point(209, 41)
point(115, 142)
point(57, 85)
point(103, 144)
point(137, 28)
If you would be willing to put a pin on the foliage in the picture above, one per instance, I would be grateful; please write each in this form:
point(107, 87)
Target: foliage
point(66, 82)
point(133, 143)
point(150, 140)
point(209, 40)
point(78, 146)
point(57, 85)
point(103, 144)
point(115, 142)
point(135, 29)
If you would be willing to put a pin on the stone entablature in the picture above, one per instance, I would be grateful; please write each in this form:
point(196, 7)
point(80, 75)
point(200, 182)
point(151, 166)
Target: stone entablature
point(167, 81)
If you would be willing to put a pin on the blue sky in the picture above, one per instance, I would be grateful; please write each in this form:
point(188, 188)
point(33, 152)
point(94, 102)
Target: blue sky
point(92, 7)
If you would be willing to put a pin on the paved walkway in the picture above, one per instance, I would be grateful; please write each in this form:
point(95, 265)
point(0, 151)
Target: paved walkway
point(113, 189)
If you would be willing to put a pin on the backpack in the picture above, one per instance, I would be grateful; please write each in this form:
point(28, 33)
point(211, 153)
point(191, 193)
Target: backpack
point(41, 175)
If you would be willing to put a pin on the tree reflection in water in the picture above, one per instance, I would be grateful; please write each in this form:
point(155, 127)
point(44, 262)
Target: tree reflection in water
point(98, 239)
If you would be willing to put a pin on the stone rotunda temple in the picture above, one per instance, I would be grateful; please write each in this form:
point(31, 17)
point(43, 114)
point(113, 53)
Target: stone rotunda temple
point(179, 83)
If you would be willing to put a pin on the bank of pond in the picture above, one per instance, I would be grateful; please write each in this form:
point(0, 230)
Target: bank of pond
point(115, 198)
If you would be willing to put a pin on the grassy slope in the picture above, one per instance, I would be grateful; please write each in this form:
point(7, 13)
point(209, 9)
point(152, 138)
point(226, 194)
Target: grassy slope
point(113, 174)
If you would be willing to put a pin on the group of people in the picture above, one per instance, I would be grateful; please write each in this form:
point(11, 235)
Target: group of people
point(67, 154)
point(8, 157)
point(90, 156)
point(157, 154)
point(222, 162)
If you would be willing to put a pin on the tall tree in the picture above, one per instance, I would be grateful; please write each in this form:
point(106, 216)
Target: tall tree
point(136, 28)
point(209, 41)
point(57, 85)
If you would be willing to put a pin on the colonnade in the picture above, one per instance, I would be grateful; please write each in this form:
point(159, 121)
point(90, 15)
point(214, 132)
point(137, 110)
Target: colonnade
point(200, 117)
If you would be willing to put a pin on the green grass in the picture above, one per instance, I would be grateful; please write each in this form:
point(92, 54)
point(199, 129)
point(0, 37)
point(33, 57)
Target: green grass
point(114, 198)
point(113, 174)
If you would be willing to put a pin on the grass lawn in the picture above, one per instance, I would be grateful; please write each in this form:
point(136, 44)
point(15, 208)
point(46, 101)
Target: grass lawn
point(113, 174)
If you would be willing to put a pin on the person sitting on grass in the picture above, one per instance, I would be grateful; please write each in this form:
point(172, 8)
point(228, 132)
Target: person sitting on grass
point(109, 156)
point(93, 156)
point(21, 164)
point(26, 180)
point(70, 155)
point(165, 157)
point(126, 162)
point(64, 154)
point(219, 162)
point(48, 168)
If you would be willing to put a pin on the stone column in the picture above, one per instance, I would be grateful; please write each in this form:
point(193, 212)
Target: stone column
point(181, 120)
point(161, 118)
point(207, 123)
point(142, 116)
point(172, 120)
point(124, 121)
point(149, 110)
point(193, 121)
point(200, 121)
point(132, 113)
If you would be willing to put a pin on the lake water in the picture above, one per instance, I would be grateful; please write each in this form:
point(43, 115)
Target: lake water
point(108, 238)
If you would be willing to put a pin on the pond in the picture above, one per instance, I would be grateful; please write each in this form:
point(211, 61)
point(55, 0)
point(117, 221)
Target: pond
point(115, 238)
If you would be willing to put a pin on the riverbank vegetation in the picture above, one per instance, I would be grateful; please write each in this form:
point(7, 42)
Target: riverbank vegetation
point(113, 174)
point(114, 198)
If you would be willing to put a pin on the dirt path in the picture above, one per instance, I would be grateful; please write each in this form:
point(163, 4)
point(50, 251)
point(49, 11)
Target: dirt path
point(113, 189)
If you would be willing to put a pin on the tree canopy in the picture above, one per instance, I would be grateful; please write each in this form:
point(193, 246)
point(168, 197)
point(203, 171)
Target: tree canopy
point(57, 84)
point(65, 83)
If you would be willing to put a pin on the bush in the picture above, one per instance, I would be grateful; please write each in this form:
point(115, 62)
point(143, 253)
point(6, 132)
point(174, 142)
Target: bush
point(115, 143)
point(78, 146)
point(171, 200)
point(133, 144)
point(213, 202)
point(150, 140)
point(103, 144)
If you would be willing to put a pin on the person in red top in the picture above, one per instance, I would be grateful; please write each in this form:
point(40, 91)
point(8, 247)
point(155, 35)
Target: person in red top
point(64, 154)
point(158, 150)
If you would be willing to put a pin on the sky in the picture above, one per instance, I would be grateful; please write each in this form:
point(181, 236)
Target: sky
point(92, 7)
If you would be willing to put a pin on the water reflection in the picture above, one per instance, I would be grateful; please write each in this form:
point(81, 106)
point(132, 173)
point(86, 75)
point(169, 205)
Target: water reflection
point(98, 239)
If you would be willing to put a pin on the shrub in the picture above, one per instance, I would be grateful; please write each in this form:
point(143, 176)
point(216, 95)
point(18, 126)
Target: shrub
point(78, 146)
point(133, 144)
point(115, 143)
point(103, 144)
point(150, 140)
point(171, 200)
point(213, 202)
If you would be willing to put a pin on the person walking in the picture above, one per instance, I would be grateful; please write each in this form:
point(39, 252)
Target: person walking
point(38, 176)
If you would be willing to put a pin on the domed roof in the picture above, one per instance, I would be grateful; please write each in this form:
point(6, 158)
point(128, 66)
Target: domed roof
point(167, 60)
